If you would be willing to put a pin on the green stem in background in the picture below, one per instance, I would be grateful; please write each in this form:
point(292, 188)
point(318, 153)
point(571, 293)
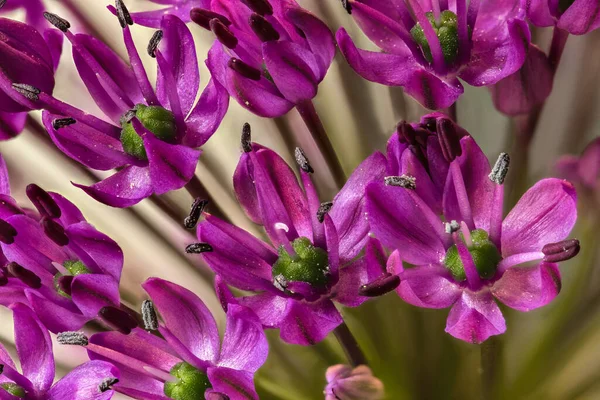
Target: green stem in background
point(491, 359)
point(315, 126)
point(196, 189)
point(350, 345)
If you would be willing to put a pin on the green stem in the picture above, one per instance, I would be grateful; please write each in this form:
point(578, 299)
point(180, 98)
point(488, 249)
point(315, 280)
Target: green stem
point(350, 345)
point(490, 361)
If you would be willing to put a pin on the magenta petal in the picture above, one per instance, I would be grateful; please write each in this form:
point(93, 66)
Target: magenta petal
point(538, 13)
point(427, 286)
point(237, 385)
point(186, 316)
point(91, 292)
point(545, 214)
point(245, 345)
point(528, 288)
point(432, 92)
point(411, 165)
point(55, 40)
point(54, 317)
point(349, 206)
point(527, 88)
point(567, 167)
point(69, 213)
point(581, 17)
point(123, 189)
point(352, 277)
point(83, 381)
point(34, 347)
point(475, 317)
point(181, 10)
point(270, 308)
point(11, 124)
point(13, 292)
point(4, 179)
point(207, 114)
point(309, 323)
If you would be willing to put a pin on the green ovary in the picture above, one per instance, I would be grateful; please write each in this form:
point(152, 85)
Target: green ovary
point(13, 389)
point(75, 267)
point(159, 121)
point(447, 32)
point(190, 385)
point(310, 264)
point(485, 256)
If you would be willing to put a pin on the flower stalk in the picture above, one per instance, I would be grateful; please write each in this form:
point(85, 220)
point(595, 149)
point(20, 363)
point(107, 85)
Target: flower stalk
point(350, 345)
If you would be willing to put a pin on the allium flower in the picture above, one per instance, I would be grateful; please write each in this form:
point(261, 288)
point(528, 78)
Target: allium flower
point(55, 261)
point(583, 170)
point(577, 17)
point(428, 45)
point(190, 362)
point(475, 256)
point(347, 383)
point(152, 135)
point(311, 258)
point(90, 381)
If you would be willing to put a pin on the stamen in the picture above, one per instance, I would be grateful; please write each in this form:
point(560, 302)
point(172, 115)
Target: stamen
point(247, 138)
point(62, 122)
point(403, 181)
point(263, 28)
point(107, 384)
point(72, 338)
point(500, 169)
point(24, 275)
point(243, 69)
point(302, 161)
point(7, 232)
point(347, 6)
point(198, 248)
point(203, 17)
point(42, 200)
point(324, 208)
point(64, 283)
point(223, 34)
point(60, 23)
point(30, 92)
point(54, 231)
point(149, 316)
point(466, 234)
point(380, 286)
point(123, 14)
point(127, 117)
point(118, 319)
point(280, 282)
point(261, 7)
point(452, 226)
point(561, 251)
point(154, 42)
point(198, 207)
point(448, 138)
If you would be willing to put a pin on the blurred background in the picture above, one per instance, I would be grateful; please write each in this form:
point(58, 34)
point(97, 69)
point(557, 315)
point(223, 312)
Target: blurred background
point(551, 353)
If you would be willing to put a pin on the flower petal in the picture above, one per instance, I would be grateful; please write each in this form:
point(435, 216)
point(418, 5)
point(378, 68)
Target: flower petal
point(538, 12)
point(237, 385)
point(83, 381)
point(207, 114)
point(91, 292)
point(427, 286)
point(54, 317)
point(581, 17)
point(270, 308)
point(4, 179)
point(545, 214)
point(475, 317)
point(11, 124)
point(69, 213)
point(308, 323)
point(352, 277)
point(180, 9)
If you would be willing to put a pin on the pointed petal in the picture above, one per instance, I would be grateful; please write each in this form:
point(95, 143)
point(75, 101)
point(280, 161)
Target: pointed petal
point(475, 317)
point(91, 292)
point(308, 323)
point(429, 286)
point(153, 19)
point(410, 165)
point(538, 12)
point(237, 385)
point(54, 317)
point(352, 277)
point(581, 17)
point(11, 124)
point(69, 213)
point(270, 308)
point(207, 114)
point(4, 179)
point(83, 381)
point(55, 40)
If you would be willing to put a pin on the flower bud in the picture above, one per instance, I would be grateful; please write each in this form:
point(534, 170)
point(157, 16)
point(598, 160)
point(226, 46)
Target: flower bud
point(346, 383)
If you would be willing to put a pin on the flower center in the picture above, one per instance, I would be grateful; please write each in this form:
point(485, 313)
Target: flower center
point(62, 285)
point(190, 385)
point(157, 120)
point(13, 389)
point(310, 264)
point(447, 32)
point(485, 256)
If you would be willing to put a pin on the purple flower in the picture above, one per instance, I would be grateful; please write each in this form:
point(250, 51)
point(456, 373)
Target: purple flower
point(474, 256)
point(54, 260)
point(89, 381)
point(311, 259)
point(577, 17)
point(583, 170)
point(190, 362)
point(179, 8)
point(347, 383)
point(428, 45)
point(270, 56)
point(34, 10)
point(152, 135)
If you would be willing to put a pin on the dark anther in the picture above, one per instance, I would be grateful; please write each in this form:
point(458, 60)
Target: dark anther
point(55, 231)
point(247, 138)
point(62, 122)
point(380, 286)
point(42, 200)
point(347, 6)
point(3, 278)
point(262, 7)
point(280, 282)
point(263, 28)
point(60, 23)
point(403, 181)
point(123, 14)
point(64, 283)
point(2, 3)
point(302, 161)
point(117, 319)
point(203, 17)
point(31, 92)
point(154, 42)
point(223, 34)
point(561, 251)
point(324, 208)
point(72, 338)
point(429, 123)
point(24, 275)
point(197, 248)
point(500, 169)
point(449, 139)
point(196, 211)
point(244, 69)
point(2, 365)
point(452, 226)
point(107, 384)
point(7, 232)
point(149, 316)
point(127, 117)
